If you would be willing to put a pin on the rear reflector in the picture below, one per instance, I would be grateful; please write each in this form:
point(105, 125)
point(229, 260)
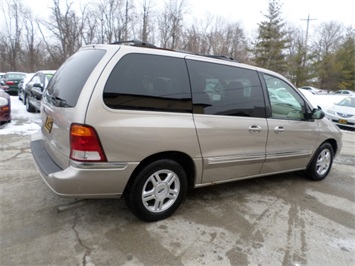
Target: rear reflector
point(85, 145)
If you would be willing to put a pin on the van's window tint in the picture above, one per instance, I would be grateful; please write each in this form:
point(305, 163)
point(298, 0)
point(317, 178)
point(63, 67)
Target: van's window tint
point(284, 100)
point(149, 82)
point(65, 86)
point(225, 90)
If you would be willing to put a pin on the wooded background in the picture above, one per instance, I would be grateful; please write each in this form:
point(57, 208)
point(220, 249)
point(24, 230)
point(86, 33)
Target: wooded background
point(29, 43)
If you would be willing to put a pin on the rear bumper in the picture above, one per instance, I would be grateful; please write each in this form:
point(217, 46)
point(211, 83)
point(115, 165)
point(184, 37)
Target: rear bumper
point(11, 90)
point(81, 180)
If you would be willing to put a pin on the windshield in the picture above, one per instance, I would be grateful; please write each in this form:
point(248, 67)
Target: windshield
point(15, 76)
point(348, 101)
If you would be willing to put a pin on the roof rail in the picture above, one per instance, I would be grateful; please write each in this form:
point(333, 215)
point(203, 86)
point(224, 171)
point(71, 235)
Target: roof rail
point(136, 43)
point(150, 45)
point(223, 57)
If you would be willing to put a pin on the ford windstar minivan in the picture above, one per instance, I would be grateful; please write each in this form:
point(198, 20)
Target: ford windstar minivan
point(130, 119)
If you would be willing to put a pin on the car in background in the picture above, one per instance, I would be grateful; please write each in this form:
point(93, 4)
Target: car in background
point(34, 89)
point(312, 89)
point(2, 75)
point(11, 80)
point(344, 92)
point(311, 97)
point(343, 113)
point(21, 86)
point(5, 107)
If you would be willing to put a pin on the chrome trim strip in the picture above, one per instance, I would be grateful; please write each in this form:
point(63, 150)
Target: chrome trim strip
point(235, 158)
point(275, 155)
point(99, 165)
point(255, 157)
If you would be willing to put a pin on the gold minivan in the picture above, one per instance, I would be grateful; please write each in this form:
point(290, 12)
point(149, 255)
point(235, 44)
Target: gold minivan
point(146, 123)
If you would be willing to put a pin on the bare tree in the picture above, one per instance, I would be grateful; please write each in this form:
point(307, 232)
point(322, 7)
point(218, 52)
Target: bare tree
point(146, 16)
point(34, 56)
point(228, 39)
point(328, 39)
point(170, 23)
point(216, 36)
point(90, 33)
point(13, 25)
point(66, 28)
point(113, 19)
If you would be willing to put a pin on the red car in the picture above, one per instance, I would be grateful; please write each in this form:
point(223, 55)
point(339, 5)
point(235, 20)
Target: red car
point(5, 107)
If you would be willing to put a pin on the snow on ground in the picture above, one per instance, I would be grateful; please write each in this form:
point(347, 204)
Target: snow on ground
point(327, 100)
point(22, 122)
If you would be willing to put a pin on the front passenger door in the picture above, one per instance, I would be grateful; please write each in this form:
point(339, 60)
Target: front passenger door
point(291, 137)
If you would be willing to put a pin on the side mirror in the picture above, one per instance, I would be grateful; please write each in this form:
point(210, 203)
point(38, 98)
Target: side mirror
point(37, 90)
point(38, 85)
point(317, 114)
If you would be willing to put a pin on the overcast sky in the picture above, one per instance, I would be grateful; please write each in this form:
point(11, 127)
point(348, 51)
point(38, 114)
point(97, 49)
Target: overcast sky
point(250, 12)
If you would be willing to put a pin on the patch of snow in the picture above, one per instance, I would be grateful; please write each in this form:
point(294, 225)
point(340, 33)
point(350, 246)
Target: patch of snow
point(22, 122)
point(327, 100)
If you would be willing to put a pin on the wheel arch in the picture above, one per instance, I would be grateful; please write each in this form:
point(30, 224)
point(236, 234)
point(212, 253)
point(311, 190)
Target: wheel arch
point(181, 158)
point(334, 145)
point(332, 142)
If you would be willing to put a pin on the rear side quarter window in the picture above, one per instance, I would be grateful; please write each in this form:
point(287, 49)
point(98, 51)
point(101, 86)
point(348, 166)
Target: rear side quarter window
point(149, 82)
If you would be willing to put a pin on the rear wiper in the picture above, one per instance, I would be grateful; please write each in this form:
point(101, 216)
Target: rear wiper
point(59, 102)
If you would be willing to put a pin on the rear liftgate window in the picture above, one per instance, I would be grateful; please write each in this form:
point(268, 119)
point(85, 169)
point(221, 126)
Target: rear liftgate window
point(149, 82)
point(65, 87)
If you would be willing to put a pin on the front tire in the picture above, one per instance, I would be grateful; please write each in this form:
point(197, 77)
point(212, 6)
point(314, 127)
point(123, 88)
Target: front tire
point(157, 191)
point(321, 163)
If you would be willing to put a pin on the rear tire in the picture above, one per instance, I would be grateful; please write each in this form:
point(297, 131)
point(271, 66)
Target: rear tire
point(157, 191)
point(321, 163)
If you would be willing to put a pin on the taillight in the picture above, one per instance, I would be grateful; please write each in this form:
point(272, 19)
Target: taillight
point(10, 82)
point(85, 145)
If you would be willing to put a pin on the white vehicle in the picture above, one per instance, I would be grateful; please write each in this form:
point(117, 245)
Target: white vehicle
point(343, 113)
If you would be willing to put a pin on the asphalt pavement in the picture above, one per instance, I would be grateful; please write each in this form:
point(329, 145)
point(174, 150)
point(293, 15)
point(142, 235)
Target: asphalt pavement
point(278, 220)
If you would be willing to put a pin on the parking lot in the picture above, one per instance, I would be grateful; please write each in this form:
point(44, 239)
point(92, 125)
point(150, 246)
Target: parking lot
point(277, 220)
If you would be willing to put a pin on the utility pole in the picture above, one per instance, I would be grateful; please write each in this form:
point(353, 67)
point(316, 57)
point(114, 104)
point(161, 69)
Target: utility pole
point(306, 45)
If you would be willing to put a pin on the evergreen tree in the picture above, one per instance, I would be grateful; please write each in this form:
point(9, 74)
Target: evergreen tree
point(345, 58)
point(298, 71)
point(269, 48)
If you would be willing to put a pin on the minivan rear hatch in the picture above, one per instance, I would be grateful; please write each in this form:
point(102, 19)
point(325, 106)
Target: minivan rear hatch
point(66, 98)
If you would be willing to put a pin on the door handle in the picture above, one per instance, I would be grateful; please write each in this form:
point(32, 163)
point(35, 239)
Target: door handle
point(279, 129)
point(254, 129)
